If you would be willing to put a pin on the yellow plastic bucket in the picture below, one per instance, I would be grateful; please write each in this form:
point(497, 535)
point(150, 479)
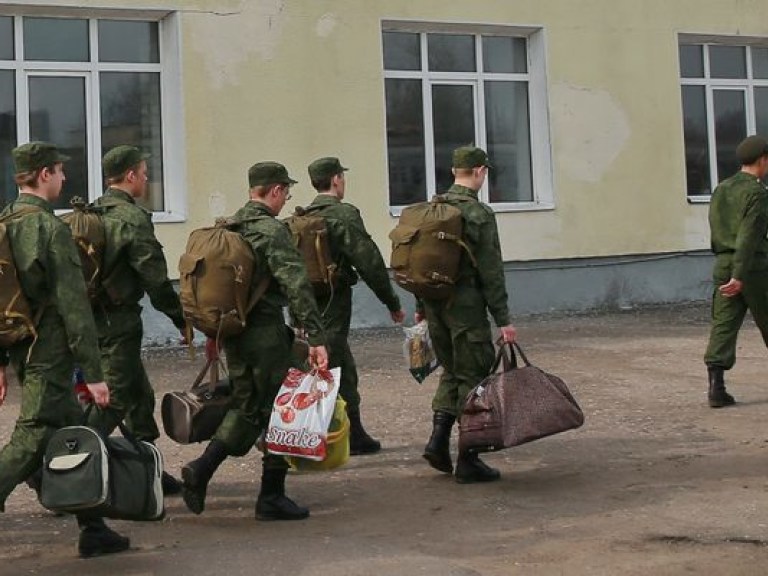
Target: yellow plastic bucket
point(337, 444)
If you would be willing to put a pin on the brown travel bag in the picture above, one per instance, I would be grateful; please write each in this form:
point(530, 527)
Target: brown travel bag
point(516, 406)
point(194, 415)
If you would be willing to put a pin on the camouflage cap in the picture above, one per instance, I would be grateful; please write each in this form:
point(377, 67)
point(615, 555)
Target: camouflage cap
point(265, 173)
point(751, 149)
point(35, 155)
point(120, 159)
point(470, 157)
point(325, 168)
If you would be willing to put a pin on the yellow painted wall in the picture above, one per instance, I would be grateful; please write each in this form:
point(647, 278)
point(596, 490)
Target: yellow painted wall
point(296, 79)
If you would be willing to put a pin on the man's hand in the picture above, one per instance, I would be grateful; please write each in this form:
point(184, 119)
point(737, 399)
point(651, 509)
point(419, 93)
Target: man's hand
point(508, 333)
point(100, 393)
point(398, 317)
point(3, 385)
point(418, 317)
point(318, 357)
point(732, 288)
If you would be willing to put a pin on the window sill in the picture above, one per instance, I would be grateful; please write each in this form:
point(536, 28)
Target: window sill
point(167, 217)
point(699, 199)
point(395, 211)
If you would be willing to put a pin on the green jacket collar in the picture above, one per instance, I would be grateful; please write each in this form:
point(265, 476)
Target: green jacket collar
point(325, 200)
point(255, 208)
point(119, 195)
point(463, 191)
point(32, 200)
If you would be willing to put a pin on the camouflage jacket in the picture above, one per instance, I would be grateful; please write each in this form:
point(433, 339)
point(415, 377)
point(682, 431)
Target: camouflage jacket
point(133, 258)
point(353, 248)
point(48, 265)
point(738, 221)
point(482, 237)
point(277, 257)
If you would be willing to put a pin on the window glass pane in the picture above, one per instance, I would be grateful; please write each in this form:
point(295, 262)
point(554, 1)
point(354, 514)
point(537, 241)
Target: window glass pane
point(57, 115)
point(504, 54)
point(761, 110)
point(727, 62)
point(402, 51)
point(127, 41)
point(696, 143)
point(453, 116)
point(691, 61)
point(760, 63)
point(56, 40)
point(130, 114)
point(405, 142)
point(451, 53)
point(730, 129)
point(509, 142)
point(7, 135)
point(6, 38)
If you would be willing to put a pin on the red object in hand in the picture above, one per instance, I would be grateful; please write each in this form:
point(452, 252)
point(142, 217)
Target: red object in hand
point(84, 396)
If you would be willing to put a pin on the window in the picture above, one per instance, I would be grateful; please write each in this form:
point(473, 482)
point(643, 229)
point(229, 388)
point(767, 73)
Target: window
point(448, 87)
point(725, 97)
point(88, 85)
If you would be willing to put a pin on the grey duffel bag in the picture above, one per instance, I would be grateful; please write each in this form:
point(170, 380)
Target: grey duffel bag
point(113, 477)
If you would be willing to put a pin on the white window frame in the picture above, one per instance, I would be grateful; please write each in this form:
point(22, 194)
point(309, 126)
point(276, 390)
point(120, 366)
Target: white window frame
point(538, 102)
point(745, 85)
point(171, 98)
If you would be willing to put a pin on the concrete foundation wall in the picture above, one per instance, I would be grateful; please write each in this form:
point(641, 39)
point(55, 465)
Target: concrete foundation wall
point(544, 286)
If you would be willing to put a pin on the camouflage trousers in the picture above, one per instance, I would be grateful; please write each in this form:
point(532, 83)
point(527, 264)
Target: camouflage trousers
point(728, 313)
point(132, 397)
point(461, 336)
point(47, 402)
point(337, 317)
point(258, 360)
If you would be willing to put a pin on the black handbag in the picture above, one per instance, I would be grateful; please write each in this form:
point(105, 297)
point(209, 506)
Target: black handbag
point(515, 406)
point(103, 477)
point(194, 415)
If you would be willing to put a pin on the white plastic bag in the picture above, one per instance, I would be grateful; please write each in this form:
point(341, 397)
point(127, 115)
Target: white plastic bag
point(419, 354)
point(302, 413)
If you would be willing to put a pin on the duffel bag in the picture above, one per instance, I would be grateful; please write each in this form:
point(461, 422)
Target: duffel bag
point(194, 415)
point(114, 477)
point(515, 406)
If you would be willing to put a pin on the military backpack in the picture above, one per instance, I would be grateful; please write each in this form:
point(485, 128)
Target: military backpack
point(427, 246)
point(16, 320)
point(310, 236)
point(87, 227)
point(215, 276)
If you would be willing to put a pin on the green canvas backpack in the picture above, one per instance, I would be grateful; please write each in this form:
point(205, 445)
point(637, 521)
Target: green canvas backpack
point(426, 248)
point(310, 236)
point(87, 227)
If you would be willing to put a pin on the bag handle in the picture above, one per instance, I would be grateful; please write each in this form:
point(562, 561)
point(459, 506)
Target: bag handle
point(212, 366)
point(127, 434)
point(507, 356)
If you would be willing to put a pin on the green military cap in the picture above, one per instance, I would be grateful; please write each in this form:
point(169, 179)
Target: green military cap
point(120, 159)
point(325, 168)
point(265, 173)
point(751, 149)
point(35, 155)
point(470, 157)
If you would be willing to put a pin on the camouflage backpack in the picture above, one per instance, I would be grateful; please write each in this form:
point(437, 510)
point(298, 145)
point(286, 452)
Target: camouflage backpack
point(426, 248)
point(310, 235)
point(215, 276)
point(16, 320)
point(87, 227)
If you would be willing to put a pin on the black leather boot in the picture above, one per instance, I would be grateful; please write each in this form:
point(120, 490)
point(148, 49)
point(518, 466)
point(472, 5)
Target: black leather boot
point(171, 486)
point(470, 469)
point(198, 473)
point(360, 442)
point(438, 449)
point(272, 503)
point(718, 397)
point(96, 539)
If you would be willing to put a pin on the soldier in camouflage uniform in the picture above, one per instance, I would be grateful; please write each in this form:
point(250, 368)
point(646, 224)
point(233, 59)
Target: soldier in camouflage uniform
point(355, 253)
point(133, 264)
point(738, 220)
point(458, 326)
point(259, 357)
point(49, 271)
